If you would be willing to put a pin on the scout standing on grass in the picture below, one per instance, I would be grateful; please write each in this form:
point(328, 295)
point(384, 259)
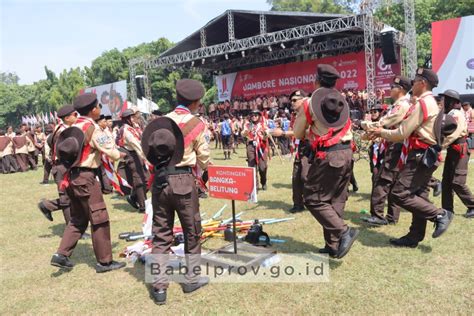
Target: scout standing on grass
point(132, 167)
point(174, 186)
point(68, 116)
point(79, 148)
point(389, 170)
point(457, 159)
point(326, 114)
point(256, 133)
point(419, 159)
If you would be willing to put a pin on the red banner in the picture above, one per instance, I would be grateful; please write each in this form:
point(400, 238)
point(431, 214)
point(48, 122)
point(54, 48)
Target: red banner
point(283, 79)
point(232, 183)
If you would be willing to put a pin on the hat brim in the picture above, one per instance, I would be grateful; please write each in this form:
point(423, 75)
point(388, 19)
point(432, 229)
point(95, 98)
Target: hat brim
point(316, 99)
point(77, 133)
point(169, 124)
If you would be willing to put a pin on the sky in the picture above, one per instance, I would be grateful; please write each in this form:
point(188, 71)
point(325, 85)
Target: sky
point(67, 34)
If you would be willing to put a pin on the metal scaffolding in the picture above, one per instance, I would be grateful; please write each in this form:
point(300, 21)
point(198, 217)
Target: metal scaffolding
point(306, 41)
point(410, 39)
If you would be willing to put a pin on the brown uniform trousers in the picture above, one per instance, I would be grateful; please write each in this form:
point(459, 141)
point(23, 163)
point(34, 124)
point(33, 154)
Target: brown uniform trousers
point(22, 161)
point(63, 202)
point(132, 169)
point(48, 166)
point(105, 182)
point(383, 185)
point(325, 193)
point(454, 179)
point(179, 195)
point(9, 164)
point(262, 163)
point(411, 190)
point(299, 177)
point(87, 204)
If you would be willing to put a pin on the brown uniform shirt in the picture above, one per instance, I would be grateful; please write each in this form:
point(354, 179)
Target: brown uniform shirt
point(394, 117)
point(8, 150)
point(99, 143)
point(317, 128)
point(414, 123)
point(461, 129)
point(131, 141)
point(197, 149)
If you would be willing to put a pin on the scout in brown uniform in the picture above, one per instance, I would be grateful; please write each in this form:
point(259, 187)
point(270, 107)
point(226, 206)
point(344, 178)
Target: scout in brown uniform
point(419, 157)
point(104, 180)
point(68, 116)
point(326, 115)
point(174, 187)
point(256, 133)
point(20, 145)
point(32, 152)
point(457, 159)
point(132, 167)
point(46, 152)
point(389, 169)
point(79, 148)
point(40, 139)
point(6, 154)
point(301, 164)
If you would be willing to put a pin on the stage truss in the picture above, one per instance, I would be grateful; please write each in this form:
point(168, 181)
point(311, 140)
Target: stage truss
point(209, 58)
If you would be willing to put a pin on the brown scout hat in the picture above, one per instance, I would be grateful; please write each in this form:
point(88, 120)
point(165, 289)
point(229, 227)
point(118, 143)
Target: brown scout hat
point(85, 100)
point(298, 93)
point(327, 73)
point(402, 81)
point(69, 146)
point(66, 110)
point(19, 141)
point(330, 107)
point(127, 113)
point(189, 89)
point(428, 75)
point(453, 94)
point(449, 126)
point(163, 139)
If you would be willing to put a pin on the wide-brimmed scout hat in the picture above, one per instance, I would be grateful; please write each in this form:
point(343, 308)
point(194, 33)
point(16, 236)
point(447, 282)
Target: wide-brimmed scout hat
point(163, 140)
point(330, 107)
point(69, 146)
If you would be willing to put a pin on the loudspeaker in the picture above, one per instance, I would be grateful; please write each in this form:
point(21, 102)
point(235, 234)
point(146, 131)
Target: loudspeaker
point(388, 48)
point(140, 83)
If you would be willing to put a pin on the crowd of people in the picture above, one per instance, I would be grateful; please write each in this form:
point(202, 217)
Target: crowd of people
point(166, 156)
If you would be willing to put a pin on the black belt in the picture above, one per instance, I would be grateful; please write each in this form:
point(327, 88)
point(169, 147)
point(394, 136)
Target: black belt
point(179, 170)
point(83, 169)
point(340, 146)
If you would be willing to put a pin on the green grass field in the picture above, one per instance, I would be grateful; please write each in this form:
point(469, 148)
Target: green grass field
point(437, 277)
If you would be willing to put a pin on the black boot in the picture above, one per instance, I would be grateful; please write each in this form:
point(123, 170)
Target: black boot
point(347, 239)
point(61, 261)
point(404, 241)
point(191, 287)
point(105, 267)
point(159, 296)
point(442, 222)
point(45, 211)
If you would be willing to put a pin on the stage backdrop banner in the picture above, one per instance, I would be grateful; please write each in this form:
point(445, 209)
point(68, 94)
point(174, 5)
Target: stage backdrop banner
point(283, 79)
point(113, 95)
point(453, 54)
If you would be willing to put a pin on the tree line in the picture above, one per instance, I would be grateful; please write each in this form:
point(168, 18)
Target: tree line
point(58, 89)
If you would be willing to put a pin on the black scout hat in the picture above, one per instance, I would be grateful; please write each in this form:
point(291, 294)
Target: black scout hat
point(65, 110)
point(451, 94)
point(327, 73)
point(298, 93)
point(85, 100)
point(163, 140)
point(189, 89)
point(127, 113)
point(330, 107)
point(403, 82)
point(69, 146)
point(427, 74)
